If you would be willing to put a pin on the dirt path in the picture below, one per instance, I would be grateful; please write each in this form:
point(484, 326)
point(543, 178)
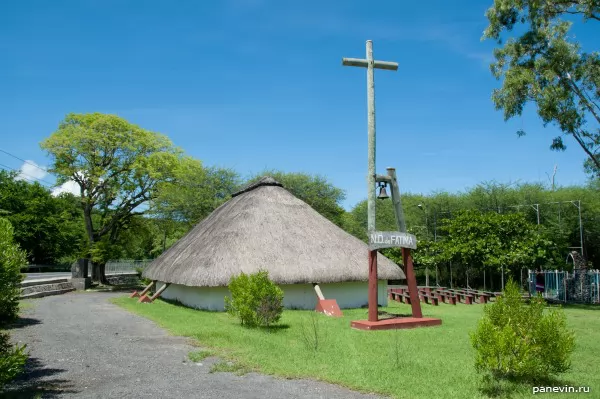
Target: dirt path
point(82, 346)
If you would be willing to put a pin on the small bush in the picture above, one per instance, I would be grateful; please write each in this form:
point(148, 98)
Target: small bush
point(11, 260)
point(255, 299)
point(520, 341)
point(12, 359)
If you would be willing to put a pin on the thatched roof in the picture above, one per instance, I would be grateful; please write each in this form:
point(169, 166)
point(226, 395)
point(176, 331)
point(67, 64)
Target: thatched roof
point(265, 227)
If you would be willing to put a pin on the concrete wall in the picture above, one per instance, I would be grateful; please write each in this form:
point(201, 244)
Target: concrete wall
point(297, 296)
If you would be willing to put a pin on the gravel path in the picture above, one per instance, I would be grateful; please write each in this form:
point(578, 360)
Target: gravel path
point(81, 346)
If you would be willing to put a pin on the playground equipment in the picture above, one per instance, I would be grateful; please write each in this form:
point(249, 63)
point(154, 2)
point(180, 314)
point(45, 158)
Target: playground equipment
point(580, 286)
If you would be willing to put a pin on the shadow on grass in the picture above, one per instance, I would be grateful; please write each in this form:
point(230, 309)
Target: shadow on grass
point(581, 306)
point(37, 382)
point(507, 387)
point(389, 315)
point(22, 322)
point(116, 288)
point(275, 327)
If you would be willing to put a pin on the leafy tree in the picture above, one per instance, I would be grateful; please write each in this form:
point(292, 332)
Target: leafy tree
point(11, 261)
point(491, 240)
point(118, 167)
point(547, 66)
point(195, 195)
point(316, 191)
point(48, 228)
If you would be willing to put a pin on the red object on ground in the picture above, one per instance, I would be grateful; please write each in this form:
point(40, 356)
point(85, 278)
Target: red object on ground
point(134, 294)
point(417, 319)
point(395, 323)
point(144, 299)
point(329, 307)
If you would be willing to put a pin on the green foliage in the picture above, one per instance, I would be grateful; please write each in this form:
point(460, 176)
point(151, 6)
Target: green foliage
point(494, 240)
point(546, 66)
point(12, 359)
point(48, 228)
point(118, 167)
point(11, 261)
point(520, 341)
point(195, 195)
point(255, 299)
point(315, 190)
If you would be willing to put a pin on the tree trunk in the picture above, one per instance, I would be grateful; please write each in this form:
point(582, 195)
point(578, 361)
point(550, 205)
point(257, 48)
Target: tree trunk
point(99, 272)
point(89, 229)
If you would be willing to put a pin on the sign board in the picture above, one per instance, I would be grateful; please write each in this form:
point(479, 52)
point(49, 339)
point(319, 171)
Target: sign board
point(391, 239)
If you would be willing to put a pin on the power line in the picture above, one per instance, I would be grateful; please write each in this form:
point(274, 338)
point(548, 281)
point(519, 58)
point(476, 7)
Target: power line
point(42, 182)
point(29, 163)
point(23, 160)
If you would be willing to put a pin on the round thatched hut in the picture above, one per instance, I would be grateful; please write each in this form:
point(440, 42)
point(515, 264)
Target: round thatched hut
point(265, 227)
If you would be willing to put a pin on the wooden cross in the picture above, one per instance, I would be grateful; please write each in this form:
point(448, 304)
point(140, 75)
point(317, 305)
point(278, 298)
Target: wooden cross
point(371, 65)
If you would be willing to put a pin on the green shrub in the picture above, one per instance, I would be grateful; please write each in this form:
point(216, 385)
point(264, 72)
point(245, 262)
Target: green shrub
point(255, 299)
point(514, 340)
point(11, 261)
point(12, 359)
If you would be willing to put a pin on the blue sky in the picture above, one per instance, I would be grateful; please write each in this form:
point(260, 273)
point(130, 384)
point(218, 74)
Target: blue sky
point(255, 84)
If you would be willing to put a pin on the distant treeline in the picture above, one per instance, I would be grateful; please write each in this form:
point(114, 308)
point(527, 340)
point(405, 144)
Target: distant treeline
point(51, 229)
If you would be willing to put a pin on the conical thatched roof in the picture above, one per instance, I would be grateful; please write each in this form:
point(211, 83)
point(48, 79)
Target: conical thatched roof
point(265, 227)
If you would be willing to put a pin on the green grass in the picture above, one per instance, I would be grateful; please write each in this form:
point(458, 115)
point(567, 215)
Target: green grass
point(198, 356)
point(434, 362)
point(229, 367)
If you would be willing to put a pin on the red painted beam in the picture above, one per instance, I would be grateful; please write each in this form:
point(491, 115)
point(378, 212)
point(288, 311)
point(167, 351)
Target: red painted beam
point(412, 284)
point(373, 314)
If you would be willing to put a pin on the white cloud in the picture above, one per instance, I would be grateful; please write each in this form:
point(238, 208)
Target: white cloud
point(68, 187)
point(31, 171)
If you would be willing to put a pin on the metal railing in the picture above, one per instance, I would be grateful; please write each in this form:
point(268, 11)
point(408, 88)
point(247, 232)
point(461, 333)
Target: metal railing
point(123, 266)
point(576, 287)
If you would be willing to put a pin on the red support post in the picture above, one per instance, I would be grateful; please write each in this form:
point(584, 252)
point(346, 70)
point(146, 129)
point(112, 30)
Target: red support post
point(412, 284)
point(373, 313)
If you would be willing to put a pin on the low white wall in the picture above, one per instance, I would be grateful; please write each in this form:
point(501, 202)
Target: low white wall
point(296, 296)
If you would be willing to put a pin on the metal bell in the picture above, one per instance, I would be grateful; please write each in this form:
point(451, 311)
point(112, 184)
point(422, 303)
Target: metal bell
point(383, 193)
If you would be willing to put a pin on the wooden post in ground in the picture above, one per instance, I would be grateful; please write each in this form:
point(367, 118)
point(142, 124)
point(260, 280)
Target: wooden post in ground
point(412, 283)
point(373, 312)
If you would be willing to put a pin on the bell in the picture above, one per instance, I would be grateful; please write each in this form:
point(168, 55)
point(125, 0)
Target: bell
point(383, 193)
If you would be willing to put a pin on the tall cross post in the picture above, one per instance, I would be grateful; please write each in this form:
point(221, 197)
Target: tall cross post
point(371, 65)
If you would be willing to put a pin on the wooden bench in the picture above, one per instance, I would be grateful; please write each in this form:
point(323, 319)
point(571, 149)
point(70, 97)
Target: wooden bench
point(399, 295)
point(429, 299)
point(462, 296)
point(480, 296)
point(446, 297)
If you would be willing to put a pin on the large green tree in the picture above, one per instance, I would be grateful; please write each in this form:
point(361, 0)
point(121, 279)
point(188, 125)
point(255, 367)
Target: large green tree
point(493, 241)
point(119, 167)
point(544, 64)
